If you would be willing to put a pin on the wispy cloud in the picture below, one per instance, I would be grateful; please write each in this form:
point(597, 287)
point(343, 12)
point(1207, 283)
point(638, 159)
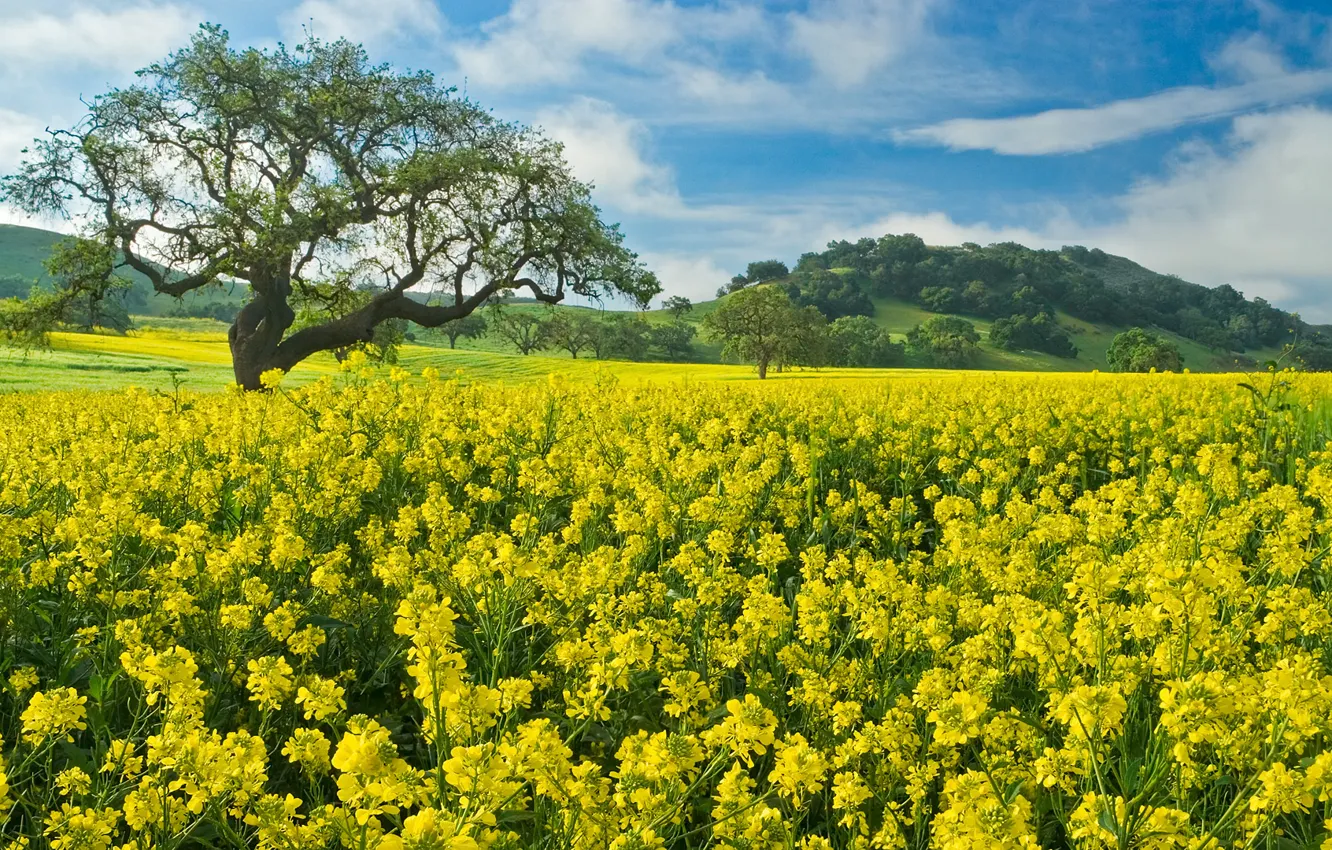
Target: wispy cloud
point(375, 24)
point(84, 36)
point(608, 149)
point(847, 41)
point(1058, 131)
point(17, 131)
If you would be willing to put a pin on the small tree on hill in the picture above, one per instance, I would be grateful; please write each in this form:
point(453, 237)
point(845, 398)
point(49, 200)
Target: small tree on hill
point(675, 340)
point(468, 327)
point(754, 324)
point(523, 330)
point(625, 338)
point(857, 341)
point(763, 271)
point(571, 332)
point(945, 341)
point(677, 306)
point(1136, 350)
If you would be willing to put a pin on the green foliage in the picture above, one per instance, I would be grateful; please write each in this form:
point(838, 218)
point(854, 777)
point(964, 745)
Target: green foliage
point(524, 331)
point(940, 299)
point(756, 324)
point(471, 326)
point(1037, 333)
point(622, 337)
point(84, 275)
point(1007, 279)
point(857, 341)
point(760, 271)
point(675, 340)
point(27, 323)
point(763, 271)
point(1136, 350)
point(678, 306)
point(946, 342)
point(572, 332)
point(831, 294)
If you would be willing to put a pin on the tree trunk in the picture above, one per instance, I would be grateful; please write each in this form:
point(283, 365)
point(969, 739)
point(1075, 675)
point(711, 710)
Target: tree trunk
point(259, 327)
point(763, 369)
point(453, 342)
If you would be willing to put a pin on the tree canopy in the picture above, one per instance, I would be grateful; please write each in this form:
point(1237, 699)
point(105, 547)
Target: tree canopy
point(309, 173)
point(758, 324)
point(1136, 350)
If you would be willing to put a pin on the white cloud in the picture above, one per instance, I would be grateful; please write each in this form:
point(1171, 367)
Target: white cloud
point(1253, 213)
point(1250, 57)
point(16, 132)
point(546, 41)
point(847, 41)
point(607, 149)
point(691, 275)
point(1074, 130)
point(86, 37)
point(373, 24)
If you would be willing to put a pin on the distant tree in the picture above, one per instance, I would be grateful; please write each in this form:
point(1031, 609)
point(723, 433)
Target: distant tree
point(675, 340)
point(857, 341)
point(28, 323)
point(623, 338)
point(84, 274)
point(1136, 350)
point(763, 271)
point(524, 330)
point(834, 295)
point(807, 343)
point(677, 306)
point(472, 326)
point(979, 299)
point(754, 324)
point(939, 299)
point(737, 283)
point(570, 331)
point(1036, 333)
point(945, 341)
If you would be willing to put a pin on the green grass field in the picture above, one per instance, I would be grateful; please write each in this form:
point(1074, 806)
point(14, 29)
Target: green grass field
point(162, 353)
point(193, 353)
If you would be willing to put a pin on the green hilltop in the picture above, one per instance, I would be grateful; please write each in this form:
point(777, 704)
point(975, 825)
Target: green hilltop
point(899, 282)
point(23, 250)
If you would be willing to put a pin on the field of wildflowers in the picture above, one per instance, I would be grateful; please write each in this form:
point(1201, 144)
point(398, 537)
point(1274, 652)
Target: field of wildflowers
point(949, 612)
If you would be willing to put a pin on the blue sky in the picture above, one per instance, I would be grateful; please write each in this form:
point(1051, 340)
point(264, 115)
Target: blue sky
point(1194, 137)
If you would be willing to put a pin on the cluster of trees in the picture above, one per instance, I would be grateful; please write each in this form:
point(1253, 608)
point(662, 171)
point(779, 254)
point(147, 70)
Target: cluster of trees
point(1008, 280)
point(1136, 350)
point(618, 336)
point(759, 271)
point(766, 326)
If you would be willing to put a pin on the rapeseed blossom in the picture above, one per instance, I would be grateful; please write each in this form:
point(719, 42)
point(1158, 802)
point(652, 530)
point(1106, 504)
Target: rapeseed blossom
point(933, 611)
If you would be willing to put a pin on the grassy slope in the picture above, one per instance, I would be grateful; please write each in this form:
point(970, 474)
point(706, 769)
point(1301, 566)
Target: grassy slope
point(22, 250)
point(194, 355)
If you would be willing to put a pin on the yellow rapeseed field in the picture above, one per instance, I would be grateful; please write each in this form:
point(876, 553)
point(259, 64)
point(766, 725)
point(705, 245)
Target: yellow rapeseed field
point(924, 612)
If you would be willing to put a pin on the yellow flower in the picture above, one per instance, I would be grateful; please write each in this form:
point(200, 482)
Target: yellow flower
point(269, 681)
point(54, 713)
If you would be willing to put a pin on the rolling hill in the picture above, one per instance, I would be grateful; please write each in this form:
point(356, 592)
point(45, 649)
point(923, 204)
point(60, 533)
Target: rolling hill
point(24, 249)
point(884, 289)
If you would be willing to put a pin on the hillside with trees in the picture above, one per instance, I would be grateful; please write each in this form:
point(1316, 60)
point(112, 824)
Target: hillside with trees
point(874, 303)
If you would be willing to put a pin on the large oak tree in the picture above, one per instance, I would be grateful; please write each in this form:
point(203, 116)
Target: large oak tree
point(326, 184)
